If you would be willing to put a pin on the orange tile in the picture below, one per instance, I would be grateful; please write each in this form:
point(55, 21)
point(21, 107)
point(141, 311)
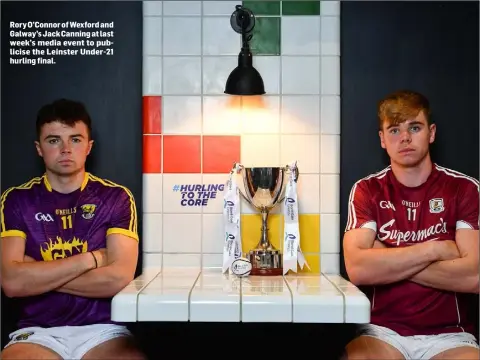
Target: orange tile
point(152, 154)
point(152, 114)
point(219, 153)
point(181, 154)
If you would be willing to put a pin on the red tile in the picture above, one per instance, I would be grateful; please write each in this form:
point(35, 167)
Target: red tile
point(152, 114)
point(219, 153)
point(181, 154)
point(152, 154)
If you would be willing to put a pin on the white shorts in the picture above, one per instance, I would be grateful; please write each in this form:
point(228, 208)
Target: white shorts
point(70, 342)
point(419, 346)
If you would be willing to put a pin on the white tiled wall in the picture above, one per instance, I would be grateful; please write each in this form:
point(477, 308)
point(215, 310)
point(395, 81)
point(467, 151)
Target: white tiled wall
point(189, 50)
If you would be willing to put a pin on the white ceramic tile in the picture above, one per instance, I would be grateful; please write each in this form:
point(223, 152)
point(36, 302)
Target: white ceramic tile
point(330, 233)
point(330, 154)
point(357, 305)
point(300, 75)
point(152, 233)
point(330, 8)
point(330, 75)
point(330, 35)
point(308, 191)
point(152, 260)
point(216, 299)
point(182, 260)
point(329, 194)
point(215, 73)
point(261, 116)
point(219, 8)
point(176, 201)
point(330, 263)
point(221, 115)
point(305, 149)
point(124, 303)
point(152, 75)
point(300, 114)
point(182, 233)
point(166, 302)
point(151, 8)
point(152, 36)
point(269, 69)
point(212, 260)
point(152, 193)
point(182, 114)
point(176, 7)
point(315, 304)
point(213, 233)
point(215, 183)
point(260, 150)
point(266, 299)
point(330, 115)
point(182, 36)
point(182, 75)
point(219, 37)
point(300, 35)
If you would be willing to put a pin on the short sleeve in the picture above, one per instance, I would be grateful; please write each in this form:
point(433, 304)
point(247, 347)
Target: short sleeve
point(12, 223)
point(360, 212)
point(467, 202)
point(124, 216)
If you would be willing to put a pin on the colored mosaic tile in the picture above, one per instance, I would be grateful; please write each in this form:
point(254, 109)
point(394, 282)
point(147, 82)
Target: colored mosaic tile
point(152, 154)
point(181, 154)
point(301, 7)
point(152, 114)
point(266, 36)
point(219, 153)
point(263, 7)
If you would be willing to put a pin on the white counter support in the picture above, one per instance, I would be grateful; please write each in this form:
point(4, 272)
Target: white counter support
point(207, 295)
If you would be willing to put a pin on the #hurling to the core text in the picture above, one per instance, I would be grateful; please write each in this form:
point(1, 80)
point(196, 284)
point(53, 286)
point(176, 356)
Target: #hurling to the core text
point(42, 43)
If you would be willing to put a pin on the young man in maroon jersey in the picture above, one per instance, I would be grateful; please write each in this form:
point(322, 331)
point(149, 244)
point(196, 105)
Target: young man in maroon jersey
point(69, 243)
point(412, 244)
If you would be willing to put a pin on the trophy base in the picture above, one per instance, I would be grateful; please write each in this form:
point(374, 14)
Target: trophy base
point(265, 262)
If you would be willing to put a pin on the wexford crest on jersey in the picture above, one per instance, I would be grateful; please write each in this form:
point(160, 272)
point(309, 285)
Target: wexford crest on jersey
point(88, 211)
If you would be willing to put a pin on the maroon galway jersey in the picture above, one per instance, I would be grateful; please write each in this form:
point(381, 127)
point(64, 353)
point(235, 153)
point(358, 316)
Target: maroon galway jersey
point(405, 216)
point(56, 226)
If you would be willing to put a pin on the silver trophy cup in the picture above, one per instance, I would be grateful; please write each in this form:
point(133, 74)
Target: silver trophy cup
point(264, 188)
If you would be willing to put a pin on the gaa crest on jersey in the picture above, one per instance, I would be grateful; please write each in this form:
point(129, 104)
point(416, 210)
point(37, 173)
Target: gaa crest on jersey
point(436, 206)
point(88, 211)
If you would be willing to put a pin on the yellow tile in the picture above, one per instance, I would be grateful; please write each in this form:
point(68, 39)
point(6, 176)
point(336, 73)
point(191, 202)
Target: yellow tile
point(309, 236)
point(251, 227)
point(313, 261)
point(309, 225)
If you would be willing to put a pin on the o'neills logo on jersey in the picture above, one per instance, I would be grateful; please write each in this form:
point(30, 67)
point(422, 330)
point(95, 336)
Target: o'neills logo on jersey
point(386, 233)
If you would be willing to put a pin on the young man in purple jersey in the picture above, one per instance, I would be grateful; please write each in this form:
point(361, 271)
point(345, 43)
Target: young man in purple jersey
point(69, 244)
point(412, 244)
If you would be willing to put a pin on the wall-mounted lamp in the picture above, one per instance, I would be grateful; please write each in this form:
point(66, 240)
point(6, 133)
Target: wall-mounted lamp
point(244, 79)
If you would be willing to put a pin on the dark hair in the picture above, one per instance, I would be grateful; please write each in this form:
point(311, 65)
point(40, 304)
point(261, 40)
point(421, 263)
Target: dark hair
point(67, 112)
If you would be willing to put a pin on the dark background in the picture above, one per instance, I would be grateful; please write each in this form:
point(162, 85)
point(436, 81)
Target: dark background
point(431, 47)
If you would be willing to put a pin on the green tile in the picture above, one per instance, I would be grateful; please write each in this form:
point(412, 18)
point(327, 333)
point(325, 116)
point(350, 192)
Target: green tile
point(301, 7)
point(266, 36)
point(263, 7)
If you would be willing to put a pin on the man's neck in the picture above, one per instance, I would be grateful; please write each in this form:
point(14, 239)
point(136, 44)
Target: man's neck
point(66, 184)
point(413, 176)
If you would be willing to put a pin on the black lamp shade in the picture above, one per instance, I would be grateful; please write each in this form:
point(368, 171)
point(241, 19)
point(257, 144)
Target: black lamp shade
point(245, 79)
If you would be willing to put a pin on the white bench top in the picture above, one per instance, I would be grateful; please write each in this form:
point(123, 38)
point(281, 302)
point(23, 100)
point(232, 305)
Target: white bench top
point(207, 295)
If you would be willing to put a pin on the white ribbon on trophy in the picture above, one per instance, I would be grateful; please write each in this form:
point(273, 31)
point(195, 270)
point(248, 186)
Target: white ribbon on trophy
point(232, 248)
point(292, 253)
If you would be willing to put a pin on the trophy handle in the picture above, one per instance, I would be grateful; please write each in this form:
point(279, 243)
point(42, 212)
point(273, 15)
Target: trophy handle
point(296, 174)
point(237, 167)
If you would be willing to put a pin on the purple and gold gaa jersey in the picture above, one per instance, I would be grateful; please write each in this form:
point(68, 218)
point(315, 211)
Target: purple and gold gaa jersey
point(57, 226)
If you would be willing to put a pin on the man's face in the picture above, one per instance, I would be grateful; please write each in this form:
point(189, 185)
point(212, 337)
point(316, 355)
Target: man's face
point(408, 143)
point(64, 148)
